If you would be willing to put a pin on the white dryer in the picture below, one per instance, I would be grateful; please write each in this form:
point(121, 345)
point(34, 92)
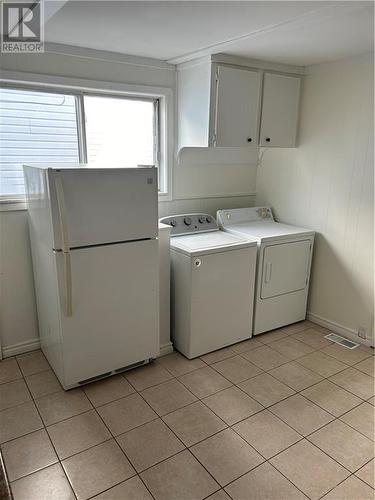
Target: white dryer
point(212, 285)
point(283, 266)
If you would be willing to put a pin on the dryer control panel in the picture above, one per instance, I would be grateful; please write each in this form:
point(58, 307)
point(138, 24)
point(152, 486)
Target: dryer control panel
point(239, 215)
point(190, 223)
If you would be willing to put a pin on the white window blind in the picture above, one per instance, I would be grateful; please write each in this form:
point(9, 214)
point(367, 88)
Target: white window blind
point(35, 128)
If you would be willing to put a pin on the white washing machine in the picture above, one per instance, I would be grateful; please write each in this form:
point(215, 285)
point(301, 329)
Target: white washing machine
point(212, 285)
point(283, 268)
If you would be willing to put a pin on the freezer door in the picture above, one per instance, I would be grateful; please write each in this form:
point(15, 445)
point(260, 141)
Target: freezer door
point(92, 206)
point(285, 268)
point(114, 308)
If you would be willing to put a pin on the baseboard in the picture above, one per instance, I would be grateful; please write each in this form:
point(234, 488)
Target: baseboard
point(340, 329)
point(166, 349)
point(20, 348)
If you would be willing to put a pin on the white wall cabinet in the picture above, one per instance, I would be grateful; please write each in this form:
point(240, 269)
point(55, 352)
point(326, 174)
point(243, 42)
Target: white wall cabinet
point(237, 107)
point(279, 110)
point(229, 105)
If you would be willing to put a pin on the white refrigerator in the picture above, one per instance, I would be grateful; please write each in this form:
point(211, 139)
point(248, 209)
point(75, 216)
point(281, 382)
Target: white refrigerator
point(93, 235)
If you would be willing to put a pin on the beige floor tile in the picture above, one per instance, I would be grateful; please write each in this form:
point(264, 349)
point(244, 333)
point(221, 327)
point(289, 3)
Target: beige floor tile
point(367, 472)
point(232, 405)
point(77, 434)
point(178, 365)
point(348, 356)
point(351, 489)
point(300, 326)
point(312, 337)
point(180, 477)
point(132, 489)
point(246, 345)
point(292, 348)
point(265, 358)
point(219, 495)
point(9, 371)
point(107, 390)
point(149, 444)
point(204, 382)
point(236, 369)
point(301, 414)
point(43, 383)
point(215, 356)
point(125, 414)
point(61, 405)
point(308, 468)
point(194, 423)
point(97, 469)
point(18, 421)
point(147, 376)
point(33, 362)
point(13, 394)
point(272, 336)
point(226, 456)
point(344, 444)
point(295, 376)
point(356, 382)
point(361, 419)
point(266, 389)
point(167, 397)
point(264, 483)
point(46, 484)
point(322, 363)
point(28, 454)
point(366, 366)
point(369, 350)
point(266, 433)
point(332, 398)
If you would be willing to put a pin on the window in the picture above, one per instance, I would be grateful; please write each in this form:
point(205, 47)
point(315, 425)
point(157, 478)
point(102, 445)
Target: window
point(39, 127)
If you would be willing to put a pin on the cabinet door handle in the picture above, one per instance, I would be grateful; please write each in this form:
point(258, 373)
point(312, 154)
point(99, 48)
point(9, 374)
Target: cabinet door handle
point(249, 139)
point(268, 139)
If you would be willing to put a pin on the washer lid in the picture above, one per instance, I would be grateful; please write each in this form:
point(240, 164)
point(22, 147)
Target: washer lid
point(212, 242)
point(268, 230)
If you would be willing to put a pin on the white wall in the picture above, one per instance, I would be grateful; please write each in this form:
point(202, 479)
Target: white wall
point(203, 180)
point(327, 184)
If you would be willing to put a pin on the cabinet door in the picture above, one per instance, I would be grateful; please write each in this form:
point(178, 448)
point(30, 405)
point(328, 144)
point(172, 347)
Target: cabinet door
point(279, 111)
point(237, 107)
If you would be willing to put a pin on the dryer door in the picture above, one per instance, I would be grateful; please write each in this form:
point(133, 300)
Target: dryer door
point(285, 268)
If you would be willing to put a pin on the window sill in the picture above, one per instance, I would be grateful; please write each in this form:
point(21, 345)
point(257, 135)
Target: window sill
point(12, 205)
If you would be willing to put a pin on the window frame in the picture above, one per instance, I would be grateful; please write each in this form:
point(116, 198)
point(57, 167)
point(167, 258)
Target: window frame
point(163, 119)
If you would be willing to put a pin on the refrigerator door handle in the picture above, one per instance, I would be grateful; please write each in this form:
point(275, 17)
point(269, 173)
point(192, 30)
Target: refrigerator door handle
point(62, 215)
point(65, 247)
point(68, 284)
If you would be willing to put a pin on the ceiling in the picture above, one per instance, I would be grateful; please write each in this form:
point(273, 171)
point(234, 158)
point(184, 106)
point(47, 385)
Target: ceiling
point(292, 32)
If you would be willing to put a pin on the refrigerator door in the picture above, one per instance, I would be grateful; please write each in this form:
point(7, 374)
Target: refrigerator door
point(114, 308)
point(93, 206)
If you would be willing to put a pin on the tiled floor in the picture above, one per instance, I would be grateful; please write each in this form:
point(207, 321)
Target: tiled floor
point(285, 416)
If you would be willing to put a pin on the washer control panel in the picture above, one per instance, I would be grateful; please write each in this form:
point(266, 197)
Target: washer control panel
point(190, 223)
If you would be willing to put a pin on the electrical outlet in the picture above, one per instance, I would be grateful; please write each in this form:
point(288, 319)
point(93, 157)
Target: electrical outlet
point(362, 332)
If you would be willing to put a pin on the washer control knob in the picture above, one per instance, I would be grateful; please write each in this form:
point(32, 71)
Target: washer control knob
point(187, 221)
point(173, 223)
point(201, 220)
point(208, 219)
